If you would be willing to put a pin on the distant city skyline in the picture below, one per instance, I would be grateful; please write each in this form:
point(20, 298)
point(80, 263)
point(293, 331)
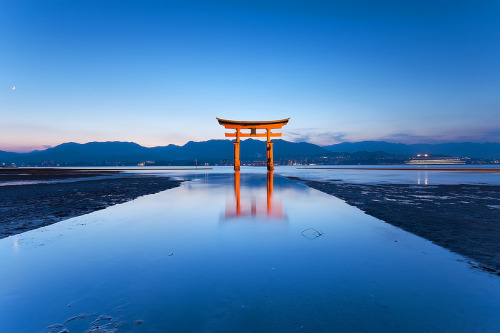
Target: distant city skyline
point(158, 73)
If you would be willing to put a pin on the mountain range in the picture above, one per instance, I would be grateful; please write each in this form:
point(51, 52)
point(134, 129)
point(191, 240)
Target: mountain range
point(463, 149)
point(221, 152)
point(212, 151)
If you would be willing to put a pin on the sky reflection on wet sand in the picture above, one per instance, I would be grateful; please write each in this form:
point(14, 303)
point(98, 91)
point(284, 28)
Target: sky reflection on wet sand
point(175, 261)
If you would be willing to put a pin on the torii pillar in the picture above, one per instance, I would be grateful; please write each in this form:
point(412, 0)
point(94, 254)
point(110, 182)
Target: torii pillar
point(253, 126)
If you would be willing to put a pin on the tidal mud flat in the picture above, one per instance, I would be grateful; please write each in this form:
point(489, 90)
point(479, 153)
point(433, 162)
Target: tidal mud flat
point(30, 199)
point(150, 264)
point(462, 218)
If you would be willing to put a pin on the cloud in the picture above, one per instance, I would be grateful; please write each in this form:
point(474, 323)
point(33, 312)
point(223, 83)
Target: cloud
point(478, 135)
point(457, 135)
point(409, 138)
point(321, 137)
point(315, 135)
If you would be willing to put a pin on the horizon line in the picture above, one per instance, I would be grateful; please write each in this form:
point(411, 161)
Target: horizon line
point(27, 151)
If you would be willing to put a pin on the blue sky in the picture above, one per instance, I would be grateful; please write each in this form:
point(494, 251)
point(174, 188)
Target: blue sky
point(159, 72)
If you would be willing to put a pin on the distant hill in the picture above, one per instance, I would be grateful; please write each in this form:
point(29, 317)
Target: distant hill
point(282, 149)
point(129, 153)
point(7, 156)
point(463, 149)
point(252, 151)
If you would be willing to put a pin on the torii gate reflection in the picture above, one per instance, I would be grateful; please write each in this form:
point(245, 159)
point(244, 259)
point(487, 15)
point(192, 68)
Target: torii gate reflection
point(273, 209)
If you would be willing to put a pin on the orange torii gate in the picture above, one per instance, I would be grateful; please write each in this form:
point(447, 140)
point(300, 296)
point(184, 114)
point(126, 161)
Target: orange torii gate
point(253, 126)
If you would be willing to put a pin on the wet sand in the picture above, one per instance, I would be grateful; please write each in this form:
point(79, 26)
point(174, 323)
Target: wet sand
point(462, 218)
point(73, 193)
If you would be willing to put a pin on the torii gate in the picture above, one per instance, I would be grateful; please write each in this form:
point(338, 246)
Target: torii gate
point(253, 126)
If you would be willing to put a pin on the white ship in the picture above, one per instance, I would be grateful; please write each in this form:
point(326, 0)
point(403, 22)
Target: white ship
point(425, 159)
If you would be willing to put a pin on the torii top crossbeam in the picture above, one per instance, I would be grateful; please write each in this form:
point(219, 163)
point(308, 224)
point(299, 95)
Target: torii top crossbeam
point(253, 126)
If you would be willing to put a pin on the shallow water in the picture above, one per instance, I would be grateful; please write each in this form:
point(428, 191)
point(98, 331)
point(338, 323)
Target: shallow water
point(384, 174)
point(54, 181)
point(222, 254)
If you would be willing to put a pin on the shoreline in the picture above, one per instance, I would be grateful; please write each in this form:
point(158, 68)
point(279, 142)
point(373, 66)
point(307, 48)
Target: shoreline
point(30, 206)
point(489, 170)
point(64, 170)
point(464, 219)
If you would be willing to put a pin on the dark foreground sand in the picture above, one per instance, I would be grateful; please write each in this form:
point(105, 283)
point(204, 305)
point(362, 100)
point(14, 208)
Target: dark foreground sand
point(77, 192)
point(462, 218)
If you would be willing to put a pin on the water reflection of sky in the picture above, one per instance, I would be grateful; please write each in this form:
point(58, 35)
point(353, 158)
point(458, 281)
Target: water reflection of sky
point(173, 262)
point(369, 174)
point(422, 177)
point(55, 181)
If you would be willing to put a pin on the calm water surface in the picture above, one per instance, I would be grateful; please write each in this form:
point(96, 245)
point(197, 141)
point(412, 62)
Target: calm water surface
point(235, 254)
point(368, 174)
